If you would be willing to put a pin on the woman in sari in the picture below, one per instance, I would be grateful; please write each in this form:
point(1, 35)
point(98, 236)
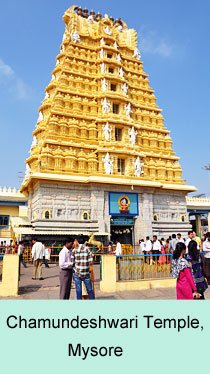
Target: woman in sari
point(185, 285)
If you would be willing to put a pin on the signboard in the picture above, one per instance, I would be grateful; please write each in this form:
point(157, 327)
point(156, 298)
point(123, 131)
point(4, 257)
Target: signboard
point(122, 221)
point(123, 204)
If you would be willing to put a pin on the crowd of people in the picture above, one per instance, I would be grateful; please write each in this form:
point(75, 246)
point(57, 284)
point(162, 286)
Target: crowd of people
point(189, 257)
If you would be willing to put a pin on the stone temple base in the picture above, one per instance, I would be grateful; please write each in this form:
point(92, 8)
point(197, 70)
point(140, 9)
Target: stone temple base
point(77, 208)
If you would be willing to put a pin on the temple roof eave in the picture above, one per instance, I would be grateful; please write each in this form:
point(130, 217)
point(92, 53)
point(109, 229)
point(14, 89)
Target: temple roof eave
point(114, 180)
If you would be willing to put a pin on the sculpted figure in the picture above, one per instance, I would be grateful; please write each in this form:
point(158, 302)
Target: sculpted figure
point(107, 131)
point(103, 67)
point(121, 72)
point(128, 109)
point(138, 167)
point(108, 164)
point(75, 37)
point(137, 54)
point(106, 106)
point(132, 133)
point(104, 85)
point(125, 88)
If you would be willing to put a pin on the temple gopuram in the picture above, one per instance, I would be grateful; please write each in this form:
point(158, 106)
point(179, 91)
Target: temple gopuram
point(101, 159)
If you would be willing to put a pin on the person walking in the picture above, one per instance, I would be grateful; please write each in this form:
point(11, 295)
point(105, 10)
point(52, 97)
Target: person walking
point(81, 260)
point(173, 243)
point(196, 263)
point(156, 248)
point(185, 285)
point(37, 258)
point(20, 252)
point(65, 275)
point(188, 240)
point(206, 250)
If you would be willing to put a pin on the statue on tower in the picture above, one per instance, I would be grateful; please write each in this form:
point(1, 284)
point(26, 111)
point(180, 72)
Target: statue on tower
point(107, 131)
point(104, 85)
point(121, 72)
point(138, 167)
point(118, 57)
point(106, 105)
point(128, 110)
point(102, 42)
point(137, 54)
point(28, 171)
point(40, 118)
point(108, 31)
point(103, 67)
point(75, 37)
point(101, 53)
point(34, 143)
point(125, 88)
point(108, 164)
point(132, 133)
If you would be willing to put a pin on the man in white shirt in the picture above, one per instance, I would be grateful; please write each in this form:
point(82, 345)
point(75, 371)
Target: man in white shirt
point(118, 250)
point(172, 244)
point(65, 270)
point(148, 249)
point(156, 247)
point(190, 237)
point(37, 257)
point(179, 238)
point(206, 246)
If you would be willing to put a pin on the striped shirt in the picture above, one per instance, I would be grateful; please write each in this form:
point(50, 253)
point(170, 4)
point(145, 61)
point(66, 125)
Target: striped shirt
point(81, 259)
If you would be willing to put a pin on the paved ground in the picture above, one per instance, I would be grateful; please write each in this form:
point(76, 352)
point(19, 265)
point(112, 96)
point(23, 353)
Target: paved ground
point(49, 288)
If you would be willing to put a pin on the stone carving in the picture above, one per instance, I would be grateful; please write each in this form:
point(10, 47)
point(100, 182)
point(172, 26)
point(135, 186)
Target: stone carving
point(108, 164)
point(107, 131)
point(46, 95)
point(53, 77)
point(137, 54)
point(120, 28)
point(40, 118)
point(64, 37)
point(108, 31)
point(125, 88)
point(34, 142)
point(102, 42)
point(103, 67)
point(28, 171)
point(75, 37)
point(57, 62)
point(128, 110)
point(101, 53)
point(91, 19)
point(106, 106)
point(121, 72)
point(138, 167)
point(115, 45)
point(104, 85)
point(132, 134)
point(118, 57)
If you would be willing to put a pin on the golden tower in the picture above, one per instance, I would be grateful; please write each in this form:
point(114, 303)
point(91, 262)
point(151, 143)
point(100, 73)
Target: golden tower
point(99, 123)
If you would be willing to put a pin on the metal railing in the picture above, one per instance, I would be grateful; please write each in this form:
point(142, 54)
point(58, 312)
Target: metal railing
point(143, 267)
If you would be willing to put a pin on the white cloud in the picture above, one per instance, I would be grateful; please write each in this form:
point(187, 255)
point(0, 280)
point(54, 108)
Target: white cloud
point(152, 43)
point(12, 83)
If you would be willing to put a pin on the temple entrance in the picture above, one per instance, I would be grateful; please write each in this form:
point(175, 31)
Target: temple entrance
point(122, 233)
point(122, 229)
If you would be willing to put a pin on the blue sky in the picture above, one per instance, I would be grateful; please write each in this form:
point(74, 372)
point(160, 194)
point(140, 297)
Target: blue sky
point(174, 43)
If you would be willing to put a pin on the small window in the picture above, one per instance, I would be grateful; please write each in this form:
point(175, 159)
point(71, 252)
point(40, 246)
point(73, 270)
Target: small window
point(121, 166)
point(183, 218)
point(118, 134)
point(155, 217)
point(59, 212)
point(4, 221)
point(47, 214)
point(109, 55)
point(116, 108)
point(111, 70)
point(113, 87)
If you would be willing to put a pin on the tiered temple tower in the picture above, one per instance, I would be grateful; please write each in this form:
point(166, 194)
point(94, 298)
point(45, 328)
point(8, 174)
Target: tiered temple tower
point(100, 131)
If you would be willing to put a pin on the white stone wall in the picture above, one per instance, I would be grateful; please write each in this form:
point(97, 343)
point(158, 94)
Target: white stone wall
point(67, 202)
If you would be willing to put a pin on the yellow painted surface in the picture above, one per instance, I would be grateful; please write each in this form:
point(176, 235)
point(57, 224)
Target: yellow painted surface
point(10, 276)
point(9, 210)
point(70, 138)
point(109, 281)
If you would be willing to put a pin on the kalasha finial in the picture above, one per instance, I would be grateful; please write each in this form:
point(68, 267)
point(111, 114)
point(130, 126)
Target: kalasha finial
point(85, 13)
point(79, 11)
point(98, 16)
